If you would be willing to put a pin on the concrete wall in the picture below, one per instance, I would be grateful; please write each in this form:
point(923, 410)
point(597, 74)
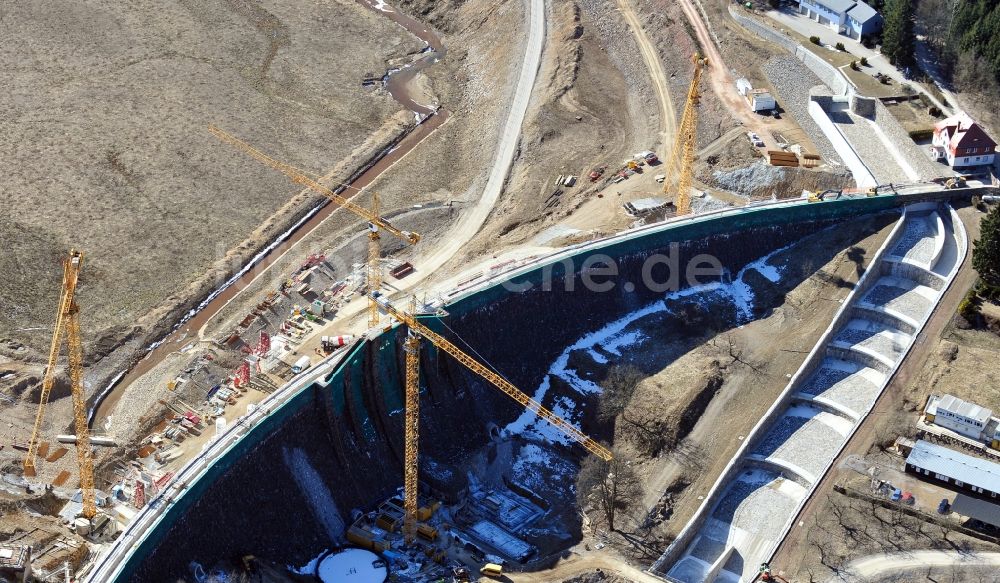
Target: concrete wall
point(863, 176)
point(335, 387)
point(826, 72)
point(907, 148)
point(677, 548)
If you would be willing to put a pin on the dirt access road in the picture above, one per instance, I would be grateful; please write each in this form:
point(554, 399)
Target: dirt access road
point(874, 566)
point(431, 261)
point(668, 122)
point(722, 82)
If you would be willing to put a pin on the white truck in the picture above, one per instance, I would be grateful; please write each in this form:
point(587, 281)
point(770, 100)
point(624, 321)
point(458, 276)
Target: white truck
point(301, 364)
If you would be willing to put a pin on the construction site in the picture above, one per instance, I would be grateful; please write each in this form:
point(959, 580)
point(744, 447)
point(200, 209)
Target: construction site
point(526, 290)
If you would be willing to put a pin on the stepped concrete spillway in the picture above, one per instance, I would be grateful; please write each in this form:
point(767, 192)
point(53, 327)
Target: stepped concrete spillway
point(756, 499)
point(282, 482)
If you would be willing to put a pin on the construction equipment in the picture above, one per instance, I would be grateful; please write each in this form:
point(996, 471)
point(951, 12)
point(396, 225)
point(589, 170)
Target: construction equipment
point(495, 379)
point(68, 323)
point(681, 161)
point(375, 222)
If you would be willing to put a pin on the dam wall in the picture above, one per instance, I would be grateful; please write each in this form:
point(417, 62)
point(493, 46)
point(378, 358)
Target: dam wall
point(330, 442)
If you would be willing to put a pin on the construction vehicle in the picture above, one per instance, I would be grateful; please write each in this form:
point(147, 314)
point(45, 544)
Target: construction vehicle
point(680, 164)
point(492, 570)
point(68, 325)
point(596, 173)
point(412, 403)
point(375, 222)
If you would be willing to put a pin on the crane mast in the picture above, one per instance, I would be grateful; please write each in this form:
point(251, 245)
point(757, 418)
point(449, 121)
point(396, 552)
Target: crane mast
point(493, 378)
point(68, 325)
point(681, 162)
point(412, 432)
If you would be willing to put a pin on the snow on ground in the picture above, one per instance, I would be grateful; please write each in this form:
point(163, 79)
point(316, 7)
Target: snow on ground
point(316, 493)
point(615, 337)
point(310, 567)
point(534, 467)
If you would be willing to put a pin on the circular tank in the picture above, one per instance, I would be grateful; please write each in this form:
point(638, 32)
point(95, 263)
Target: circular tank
point(352, 566)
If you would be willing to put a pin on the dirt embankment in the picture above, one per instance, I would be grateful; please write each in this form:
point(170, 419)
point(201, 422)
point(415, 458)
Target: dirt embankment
point(105, 135)
point(705, 401)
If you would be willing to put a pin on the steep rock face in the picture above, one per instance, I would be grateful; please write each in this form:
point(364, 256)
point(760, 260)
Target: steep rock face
point(289, 497)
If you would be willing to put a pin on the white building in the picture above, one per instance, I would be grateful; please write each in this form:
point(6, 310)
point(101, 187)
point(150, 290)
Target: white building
point(847, 17)
point(961, 142)
point(962, 417)
point(761, 100)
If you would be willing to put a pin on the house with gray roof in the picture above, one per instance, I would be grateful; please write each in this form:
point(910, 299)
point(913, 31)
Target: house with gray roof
point(954, 468)
point(847, 17)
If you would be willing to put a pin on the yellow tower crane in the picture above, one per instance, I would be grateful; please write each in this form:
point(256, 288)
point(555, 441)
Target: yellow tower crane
point(411, 424)
point(681, 161)
point(68, 324)
point(375, 222)
point(411, 429)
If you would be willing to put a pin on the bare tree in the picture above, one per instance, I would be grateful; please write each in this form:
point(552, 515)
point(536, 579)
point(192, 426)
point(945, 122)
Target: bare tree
point(617, 390)
point(737, 355)
point(610, 487)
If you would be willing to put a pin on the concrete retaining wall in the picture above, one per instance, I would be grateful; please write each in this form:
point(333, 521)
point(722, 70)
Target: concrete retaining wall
point(826, 72)
point(906, 147)
point(740, 460)
point(152, 524)
point(863, 177)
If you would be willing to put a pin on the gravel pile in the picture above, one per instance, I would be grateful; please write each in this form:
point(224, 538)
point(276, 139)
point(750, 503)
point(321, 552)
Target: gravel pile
point(792, 80)
point(754, 180)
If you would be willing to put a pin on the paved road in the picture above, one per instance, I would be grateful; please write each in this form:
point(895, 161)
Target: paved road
point(874, 566)
point(808, 27)
point(668, 122)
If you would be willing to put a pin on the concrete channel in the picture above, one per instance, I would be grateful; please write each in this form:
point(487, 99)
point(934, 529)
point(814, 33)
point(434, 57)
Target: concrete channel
point(756, 499)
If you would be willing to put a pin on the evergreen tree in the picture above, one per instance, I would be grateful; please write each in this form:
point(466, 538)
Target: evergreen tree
point(897, 32)
point(986, 249)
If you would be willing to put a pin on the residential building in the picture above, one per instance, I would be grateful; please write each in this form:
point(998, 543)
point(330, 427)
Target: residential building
point(861, 20)
point(847, 17)
point(961, 142)
point(955, 468)
point(960, 416)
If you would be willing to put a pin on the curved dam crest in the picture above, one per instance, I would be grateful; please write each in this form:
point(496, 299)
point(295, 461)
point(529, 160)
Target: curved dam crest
point(288, 485)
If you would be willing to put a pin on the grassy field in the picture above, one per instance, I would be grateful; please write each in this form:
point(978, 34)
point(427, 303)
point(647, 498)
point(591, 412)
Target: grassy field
point(105, 147)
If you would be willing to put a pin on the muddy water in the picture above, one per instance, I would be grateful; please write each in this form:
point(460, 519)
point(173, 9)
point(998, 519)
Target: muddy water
point(397, 82)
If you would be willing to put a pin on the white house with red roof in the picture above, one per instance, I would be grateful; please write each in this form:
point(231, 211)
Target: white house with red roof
point(961, 142)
